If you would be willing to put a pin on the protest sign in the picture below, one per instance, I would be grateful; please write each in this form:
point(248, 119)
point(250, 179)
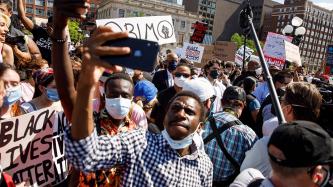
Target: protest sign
point(292, 54)
point(192, 52)
point(240, 54)
point(154, 28)
point(274, 49)
point(179, 52)
point(199, 32)
point(32, 147)
point(329, 59)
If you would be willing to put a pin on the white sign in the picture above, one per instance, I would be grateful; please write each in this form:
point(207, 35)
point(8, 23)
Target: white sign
point(192, 52)
point(154, 28)
point(240, 54)
point(32, 147)
point(292, 54)
point(179, 52)
point(274, 49)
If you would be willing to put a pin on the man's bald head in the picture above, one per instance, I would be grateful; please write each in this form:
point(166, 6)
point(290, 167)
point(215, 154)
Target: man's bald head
point(172, 57)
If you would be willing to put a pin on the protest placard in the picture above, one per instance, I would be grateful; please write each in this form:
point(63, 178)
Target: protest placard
point(192, 52)
point(329, 60)
point(240, 54)
point(154, 28)
point(274, 49)
point(32, 147)
point(199, 32)
point(292, 54)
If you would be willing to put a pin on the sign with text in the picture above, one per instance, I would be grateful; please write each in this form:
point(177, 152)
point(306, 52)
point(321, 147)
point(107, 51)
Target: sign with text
point(329, 59)
point(154, 28)
point(199, 32)
point(292, 54)
point(192, 52)
point(240, 54)
point(274, 49)
point(32, 147)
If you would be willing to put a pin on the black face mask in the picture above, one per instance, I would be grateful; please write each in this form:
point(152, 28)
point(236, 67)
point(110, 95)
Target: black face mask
point(214, 74)
point(172, 66)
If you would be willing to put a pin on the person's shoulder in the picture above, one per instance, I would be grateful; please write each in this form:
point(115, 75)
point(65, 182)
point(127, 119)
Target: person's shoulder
point(15, 32)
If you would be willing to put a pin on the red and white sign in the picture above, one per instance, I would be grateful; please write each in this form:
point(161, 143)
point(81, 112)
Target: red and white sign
point(274, 49)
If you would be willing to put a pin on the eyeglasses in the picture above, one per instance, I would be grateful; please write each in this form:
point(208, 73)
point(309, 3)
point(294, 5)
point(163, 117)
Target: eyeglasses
point(182, 74)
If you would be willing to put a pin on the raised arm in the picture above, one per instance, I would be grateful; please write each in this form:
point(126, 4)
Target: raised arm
point(24, 19)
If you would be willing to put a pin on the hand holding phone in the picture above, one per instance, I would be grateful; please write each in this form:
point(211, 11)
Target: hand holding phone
point(143, 54)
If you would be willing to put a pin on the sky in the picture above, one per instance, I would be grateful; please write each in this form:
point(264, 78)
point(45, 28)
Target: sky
point(323, 3)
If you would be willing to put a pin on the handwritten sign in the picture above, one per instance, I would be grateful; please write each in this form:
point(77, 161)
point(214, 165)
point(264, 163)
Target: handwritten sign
point(192, 52)
point(32, 147)
point(240, 55)
point(292, 54)
point(154, 28)
point(274, 49)
point(199, 32)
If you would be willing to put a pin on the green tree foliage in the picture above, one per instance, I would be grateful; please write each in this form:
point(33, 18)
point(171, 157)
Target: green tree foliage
point(239, 39)
point(74, 27)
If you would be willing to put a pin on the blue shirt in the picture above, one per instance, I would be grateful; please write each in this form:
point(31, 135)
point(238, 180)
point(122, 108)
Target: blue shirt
point(261, 92)
point(237, 140)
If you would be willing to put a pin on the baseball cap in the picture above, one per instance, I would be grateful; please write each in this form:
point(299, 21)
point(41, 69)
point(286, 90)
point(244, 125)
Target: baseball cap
point(234, 93)
point(302, 143)
point(200, 86)
point(146, 90)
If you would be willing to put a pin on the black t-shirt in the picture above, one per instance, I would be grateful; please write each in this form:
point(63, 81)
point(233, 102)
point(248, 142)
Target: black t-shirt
point(15, 32)
point(43, 41)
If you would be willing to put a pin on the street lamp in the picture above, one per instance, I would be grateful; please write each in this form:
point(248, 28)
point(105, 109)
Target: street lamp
point(295, 30)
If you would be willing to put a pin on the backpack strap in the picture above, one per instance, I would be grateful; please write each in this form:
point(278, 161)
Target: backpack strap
point(217, 135)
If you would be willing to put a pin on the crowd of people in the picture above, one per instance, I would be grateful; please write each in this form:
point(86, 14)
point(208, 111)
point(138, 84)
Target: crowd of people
point(179, 125)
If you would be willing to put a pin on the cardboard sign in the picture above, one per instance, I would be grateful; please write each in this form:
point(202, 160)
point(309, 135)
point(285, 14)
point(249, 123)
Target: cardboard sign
point(240, 55)
point(192, 52)
point(274, 49)
point(154, 28)
point(32, 147)
point(199, 32)
point(292, 53)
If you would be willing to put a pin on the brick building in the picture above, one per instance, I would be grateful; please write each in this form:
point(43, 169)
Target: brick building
point(318, 22)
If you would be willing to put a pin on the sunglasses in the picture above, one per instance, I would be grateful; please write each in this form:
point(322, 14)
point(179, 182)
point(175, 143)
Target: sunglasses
point(182, 74)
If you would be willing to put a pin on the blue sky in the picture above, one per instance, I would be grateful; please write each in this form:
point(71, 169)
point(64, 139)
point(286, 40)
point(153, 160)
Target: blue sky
point(323, 3)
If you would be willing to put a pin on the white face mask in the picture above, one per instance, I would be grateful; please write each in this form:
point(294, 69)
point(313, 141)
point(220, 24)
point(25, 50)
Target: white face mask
point(258, 71)
point(180, 81)
point(118, 108)
point(179, 144)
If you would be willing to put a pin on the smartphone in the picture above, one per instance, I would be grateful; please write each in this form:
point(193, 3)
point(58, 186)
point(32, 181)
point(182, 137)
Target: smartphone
point(142, 57)
point(14, 40)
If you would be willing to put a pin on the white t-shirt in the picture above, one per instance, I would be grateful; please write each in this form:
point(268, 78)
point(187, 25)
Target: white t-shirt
point(269, 126)
point(257, 157)
point(170, 79)
point(219, 89)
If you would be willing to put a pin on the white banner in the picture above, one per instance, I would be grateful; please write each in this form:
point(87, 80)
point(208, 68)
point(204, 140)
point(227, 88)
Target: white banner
point(292, 54)
point(32, 147)
point(240, 55)
point(154, 28)
point(192, 52)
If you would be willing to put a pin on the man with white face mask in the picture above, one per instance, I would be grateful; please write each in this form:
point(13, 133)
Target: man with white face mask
point(167, 159)
point(118, 116)
point(181, 75)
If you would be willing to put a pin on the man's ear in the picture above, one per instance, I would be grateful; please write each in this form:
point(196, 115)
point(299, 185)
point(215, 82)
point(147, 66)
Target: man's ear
point(41, 88)
point(200, 126)
point(318, 175)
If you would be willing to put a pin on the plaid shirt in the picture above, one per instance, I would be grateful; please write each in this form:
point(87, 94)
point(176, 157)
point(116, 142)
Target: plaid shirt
point(237, 140)
point(147, 158)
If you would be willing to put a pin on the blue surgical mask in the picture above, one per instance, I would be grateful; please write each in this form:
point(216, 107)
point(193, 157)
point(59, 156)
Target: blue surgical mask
point(118, 108)
point(52, 94)
point(179, 144)
point(214, 74)
point(13, 94)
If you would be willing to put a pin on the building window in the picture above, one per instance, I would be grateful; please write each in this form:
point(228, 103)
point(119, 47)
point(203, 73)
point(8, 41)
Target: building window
point(49, 12)
point(29, 1)
point(29, 10)
point(121, 13)
point(135, 14)
point(50, 3)
point(182, 24)
point(40, 12)
point(40, 2)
